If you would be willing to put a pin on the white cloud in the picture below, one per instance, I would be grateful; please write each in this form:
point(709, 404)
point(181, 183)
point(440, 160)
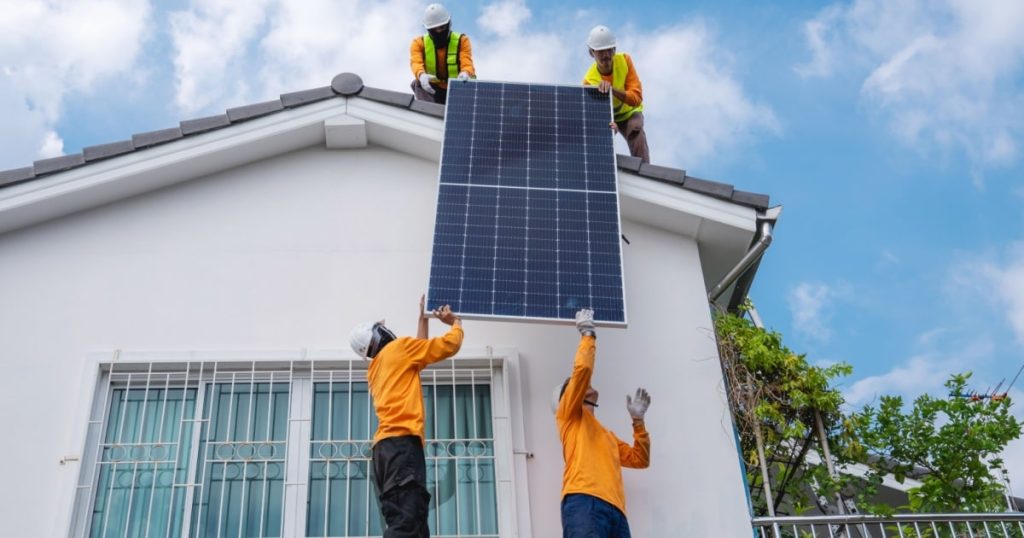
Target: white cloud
point(49, 50)
point(809, 303)
point(504, 18)
point(1000, 280)
point(53, 145)
point(695, 108)
point(209, 39)
point(817, 32)
point(943, 75)
point(229, 53)
point(923, 373)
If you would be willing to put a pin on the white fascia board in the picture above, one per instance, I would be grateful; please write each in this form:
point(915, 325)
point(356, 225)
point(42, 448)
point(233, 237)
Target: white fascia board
point(147, 169)
point(642, 197)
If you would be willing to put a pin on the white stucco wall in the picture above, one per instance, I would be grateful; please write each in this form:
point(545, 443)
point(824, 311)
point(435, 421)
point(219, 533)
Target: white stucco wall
point(281, 254)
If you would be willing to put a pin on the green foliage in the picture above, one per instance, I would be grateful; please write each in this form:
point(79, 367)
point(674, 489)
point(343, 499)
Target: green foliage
point(955, 440)
point(776, 394)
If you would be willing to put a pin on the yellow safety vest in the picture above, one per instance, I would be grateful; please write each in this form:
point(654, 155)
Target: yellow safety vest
point(430, 56)
point(621, 110)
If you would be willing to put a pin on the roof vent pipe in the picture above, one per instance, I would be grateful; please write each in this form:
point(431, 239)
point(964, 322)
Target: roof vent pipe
point(749, 259)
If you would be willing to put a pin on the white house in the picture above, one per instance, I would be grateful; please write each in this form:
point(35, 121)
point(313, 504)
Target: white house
point(174, 312)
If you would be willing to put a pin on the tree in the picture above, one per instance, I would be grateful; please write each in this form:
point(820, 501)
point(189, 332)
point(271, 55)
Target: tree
point(956, 441)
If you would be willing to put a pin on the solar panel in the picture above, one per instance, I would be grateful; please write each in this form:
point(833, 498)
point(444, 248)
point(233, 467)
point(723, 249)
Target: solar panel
point(527, 221)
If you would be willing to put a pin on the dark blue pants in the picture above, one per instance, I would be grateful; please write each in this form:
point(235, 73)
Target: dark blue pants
point(585, 516)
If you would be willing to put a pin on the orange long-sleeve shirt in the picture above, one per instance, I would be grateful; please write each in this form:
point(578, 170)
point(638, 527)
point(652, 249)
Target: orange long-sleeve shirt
point(634, 90)
point(594, 456)
point(465, 60)
point(394, 377)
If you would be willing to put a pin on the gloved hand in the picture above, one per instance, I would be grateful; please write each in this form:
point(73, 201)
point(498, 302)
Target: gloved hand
point(463, 76)
point(425, 83)
point(637, 406)
point(585, 321)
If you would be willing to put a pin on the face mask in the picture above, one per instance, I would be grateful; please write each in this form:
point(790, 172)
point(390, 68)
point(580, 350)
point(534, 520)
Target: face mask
point(440, 36)
point(381, 337)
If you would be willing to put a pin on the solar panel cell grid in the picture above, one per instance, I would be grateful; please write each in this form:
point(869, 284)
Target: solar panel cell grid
point(527, 221)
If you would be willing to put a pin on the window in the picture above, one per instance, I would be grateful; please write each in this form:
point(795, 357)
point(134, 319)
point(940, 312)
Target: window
point(279, 449)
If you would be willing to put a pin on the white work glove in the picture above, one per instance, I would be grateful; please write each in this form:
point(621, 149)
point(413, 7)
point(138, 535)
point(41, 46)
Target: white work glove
point(637, 406)
point(585, 322)
point(425, 83)
point(463, 76)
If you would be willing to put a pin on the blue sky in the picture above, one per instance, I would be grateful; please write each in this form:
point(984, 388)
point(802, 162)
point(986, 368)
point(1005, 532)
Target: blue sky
point(890, 131)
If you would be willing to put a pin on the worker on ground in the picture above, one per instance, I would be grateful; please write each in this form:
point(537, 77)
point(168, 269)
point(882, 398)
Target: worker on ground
point(399, 465)
point(614, 72)
point(593, 497)
point(438, 56)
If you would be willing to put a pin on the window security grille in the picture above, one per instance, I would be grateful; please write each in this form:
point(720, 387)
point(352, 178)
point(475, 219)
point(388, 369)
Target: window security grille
point(282, 449)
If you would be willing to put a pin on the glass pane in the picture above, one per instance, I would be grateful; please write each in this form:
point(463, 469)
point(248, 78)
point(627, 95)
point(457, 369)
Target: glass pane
point(144, 457)
point(242, 461)
point(460, 460)
point(342, 500)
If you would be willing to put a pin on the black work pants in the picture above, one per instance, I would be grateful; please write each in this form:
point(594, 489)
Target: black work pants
point(400, 476)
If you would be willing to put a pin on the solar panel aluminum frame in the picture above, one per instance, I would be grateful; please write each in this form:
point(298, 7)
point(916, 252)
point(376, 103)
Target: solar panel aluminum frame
point(431, 303)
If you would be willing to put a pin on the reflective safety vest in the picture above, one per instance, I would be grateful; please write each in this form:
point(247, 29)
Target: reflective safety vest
point(621, 110)
point(430, 56)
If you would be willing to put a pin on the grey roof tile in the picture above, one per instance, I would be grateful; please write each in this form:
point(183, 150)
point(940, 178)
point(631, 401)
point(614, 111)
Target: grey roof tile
point(200, 125)
point(347, 84)
point(713, 188)
point(45, 166)
point(663, 173)
point(752, 199)
point(628, 162)
point(294, 99)
point(152, 138)
point(389, 97)
point(102, 151)
point(426, 107)
point(16, 175)
point(249, 112)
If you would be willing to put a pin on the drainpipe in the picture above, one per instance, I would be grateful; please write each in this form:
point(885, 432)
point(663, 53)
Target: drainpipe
point(750, 258)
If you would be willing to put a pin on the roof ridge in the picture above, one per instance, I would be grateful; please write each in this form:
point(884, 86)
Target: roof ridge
point(342, 85)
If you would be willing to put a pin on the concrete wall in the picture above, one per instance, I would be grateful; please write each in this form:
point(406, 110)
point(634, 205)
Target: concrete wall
point(281, 254)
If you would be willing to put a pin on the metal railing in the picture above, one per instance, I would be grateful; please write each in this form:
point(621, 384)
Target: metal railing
point(998, 525)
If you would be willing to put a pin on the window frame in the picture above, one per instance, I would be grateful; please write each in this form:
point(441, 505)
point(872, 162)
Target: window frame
point(511, 488)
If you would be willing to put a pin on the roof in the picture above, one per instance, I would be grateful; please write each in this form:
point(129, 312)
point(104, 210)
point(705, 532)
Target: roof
point(343, 85)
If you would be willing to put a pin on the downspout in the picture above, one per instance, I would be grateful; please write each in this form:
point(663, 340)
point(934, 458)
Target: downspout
point(749, 259)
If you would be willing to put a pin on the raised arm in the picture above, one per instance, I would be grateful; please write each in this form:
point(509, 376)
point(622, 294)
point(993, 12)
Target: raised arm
point(422, 323)
point(428, 351)
point(637, 456)
point(571, 402)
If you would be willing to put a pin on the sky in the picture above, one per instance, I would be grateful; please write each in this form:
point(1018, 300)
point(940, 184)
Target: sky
point(891, 132)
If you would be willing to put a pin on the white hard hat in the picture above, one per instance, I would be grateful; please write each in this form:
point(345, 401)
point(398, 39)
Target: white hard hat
point(367, 339)
point(601, 38)
point(436, 15)
point(361, 337)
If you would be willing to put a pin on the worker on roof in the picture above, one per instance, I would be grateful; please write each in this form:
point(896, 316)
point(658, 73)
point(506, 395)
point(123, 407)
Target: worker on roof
point(614, 72)
point(438, 56)
point(399, 465)
point(593, 497)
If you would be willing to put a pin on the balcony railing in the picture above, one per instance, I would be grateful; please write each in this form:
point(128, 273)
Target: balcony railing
point(999, 525)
